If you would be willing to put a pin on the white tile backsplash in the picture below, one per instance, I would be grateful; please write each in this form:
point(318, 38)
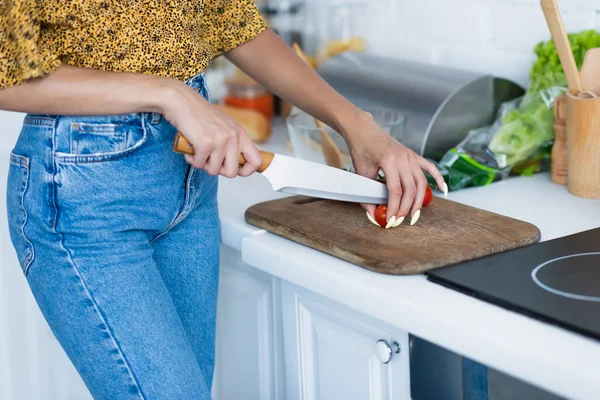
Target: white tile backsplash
point(492, 36)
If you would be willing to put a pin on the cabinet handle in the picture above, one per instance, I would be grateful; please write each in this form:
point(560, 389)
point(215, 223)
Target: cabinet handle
point(385, 351)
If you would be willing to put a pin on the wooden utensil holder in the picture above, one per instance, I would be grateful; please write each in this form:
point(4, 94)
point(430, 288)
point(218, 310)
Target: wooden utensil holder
point(583, 143)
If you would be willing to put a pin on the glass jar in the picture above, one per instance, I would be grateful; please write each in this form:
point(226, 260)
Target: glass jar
point(244, 92)
point(334, 26)
point(286, 18)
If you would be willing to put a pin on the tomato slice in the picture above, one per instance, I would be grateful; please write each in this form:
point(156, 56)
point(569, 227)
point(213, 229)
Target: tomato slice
point(380, 215)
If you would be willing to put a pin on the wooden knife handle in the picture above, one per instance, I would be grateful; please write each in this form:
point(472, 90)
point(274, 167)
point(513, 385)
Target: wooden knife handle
point(181, 145)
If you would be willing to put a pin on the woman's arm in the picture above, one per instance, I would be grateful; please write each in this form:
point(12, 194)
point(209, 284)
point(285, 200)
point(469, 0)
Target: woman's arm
point(269, 60)
point(217, 139)
point(272, 62)
point(79, 91)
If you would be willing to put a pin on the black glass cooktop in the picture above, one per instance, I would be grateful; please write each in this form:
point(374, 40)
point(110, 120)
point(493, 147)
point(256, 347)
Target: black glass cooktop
point(556, 281)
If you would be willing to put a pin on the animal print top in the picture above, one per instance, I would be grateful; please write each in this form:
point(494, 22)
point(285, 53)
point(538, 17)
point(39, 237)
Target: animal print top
point(174, 38)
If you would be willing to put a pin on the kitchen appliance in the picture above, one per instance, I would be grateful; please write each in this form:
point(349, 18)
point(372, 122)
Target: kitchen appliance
point(447, 233)
point(555, 281)
point(441, 104)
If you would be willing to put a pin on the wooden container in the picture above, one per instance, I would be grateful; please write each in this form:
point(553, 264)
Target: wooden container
point(583, 143)
point(559, 159)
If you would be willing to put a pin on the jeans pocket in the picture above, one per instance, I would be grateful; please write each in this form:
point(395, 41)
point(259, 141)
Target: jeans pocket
point(99, 141)
point(17, 184)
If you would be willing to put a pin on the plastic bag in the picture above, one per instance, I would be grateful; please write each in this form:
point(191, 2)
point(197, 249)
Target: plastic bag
point(519, 142)
point(527, 128)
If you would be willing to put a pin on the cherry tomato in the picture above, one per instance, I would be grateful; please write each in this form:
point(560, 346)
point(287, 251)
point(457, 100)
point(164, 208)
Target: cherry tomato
point(381, 211)
point(428, 196)
point(380, 215)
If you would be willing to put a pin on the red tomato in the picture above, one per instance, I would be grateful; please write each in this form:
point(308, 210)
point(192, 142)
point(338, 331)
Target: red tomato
point(380, 215)
point(428, 196)
point(381, 211)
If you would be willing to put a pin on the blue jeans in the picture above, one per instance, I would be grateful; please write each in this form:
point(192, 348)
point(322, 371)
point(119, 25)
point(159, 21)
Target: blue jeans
point(118, 238)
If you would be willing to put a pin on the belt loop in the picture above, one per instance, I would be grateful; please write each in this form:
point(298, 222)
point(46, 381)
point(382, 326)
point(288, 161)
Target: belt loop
point(155, 118)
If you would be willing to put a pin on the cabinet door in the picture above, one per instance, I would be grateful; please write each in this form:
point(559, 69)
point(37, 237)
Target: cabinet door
point(247, 359)
point(333, 352)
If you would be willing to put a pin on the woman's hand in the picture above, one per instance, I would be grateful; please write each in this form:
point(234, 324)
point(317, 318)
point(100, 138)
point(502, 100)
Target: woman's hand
point(216, 138)
point(372, 149)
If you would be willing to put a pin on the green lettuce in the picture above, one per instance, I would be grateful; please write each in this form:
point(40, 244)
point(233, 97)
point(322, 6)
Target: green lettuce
point(528, 128)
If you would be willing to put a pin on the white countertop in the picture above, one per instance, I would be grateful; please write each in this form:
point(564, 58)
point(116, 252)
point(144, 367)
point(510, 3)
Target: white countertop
point(544, 355)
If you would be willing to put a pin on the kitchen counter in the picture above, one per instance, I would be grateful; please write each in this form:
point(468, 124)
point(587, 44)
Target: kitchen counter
point(543, 355)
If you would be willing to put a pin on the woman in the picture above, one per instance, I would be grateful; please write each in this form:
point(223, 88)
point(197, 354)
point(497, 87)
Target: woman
point(118, 235)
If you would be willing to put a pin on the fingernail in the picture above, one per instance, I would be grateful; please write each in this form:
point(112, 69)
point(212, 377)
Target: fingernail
point(415, 218)
point(372, 219)
point(398, 222)
point(390, 222)
point(445, 190)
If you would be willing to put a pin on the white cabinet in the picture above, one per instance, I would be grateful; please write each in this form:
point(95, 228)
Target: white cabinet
point(249, 356)
point(333, 352)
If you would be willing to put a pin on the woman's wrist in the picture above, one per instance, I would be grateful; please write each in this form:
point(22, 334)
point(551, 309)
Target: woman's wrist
point(347, 122)
point(164, 95)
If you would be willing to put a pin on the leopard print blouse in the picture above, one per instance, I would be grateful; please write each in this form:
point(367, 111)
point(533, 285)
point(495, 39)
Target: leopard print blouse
point(174, 38)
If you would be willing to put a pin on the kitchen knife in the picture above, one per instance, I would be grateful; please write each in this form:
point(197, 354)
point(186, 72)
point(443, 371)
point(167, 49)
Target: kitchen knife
point(300, 177)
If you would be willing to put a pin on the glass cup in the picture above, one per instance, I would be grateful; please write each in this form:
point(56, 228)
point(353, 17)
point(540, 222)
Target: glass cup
point(305, 136)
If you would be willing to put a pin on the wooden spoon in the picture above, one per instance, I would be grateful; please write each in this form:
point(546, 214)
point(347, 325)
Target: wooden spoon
point(333, 156)
point(590, 72)
point(561, 41)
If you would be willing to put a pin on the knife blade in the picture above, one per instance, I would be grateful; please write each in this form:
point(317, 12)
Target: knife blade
point(301, 177)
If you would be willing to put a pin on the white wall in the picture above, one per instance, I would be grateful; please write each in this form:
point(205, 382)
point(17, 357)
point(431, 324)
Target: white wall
point(496, 36)
point(10, 125)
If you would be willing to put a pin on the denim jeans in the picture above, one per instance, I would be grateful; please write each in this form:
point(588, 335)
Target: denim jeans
point(118, 238)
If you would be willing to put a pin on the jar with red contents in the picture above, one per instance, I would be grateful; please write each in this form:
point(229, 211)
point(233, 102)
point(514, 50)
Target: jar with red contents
point(243, 92)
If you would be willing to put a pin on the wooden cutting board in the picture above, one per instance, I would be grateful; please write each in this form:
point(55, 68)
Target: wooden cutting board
point(446, 233)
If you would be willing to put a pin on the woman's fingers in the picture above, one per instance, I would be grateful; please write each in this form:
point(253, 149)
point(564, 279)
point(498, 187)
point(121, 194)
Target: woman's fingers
point(253, 159)
point(201, 154)
point(231, 163)
point(215, 161)
point(370, 208)
point(421, 184)
point(435, 173)
point(409, 191)
point(395, 192)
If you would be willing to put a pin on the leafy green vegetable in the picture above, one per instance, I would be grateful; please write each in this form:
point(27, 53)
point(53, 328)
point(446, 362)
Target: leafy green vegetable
point(547, 71)
point(529, 127)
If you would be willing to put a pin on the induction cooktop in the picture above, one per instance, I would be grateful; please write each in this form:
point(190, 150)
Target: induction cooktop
point(556, 281)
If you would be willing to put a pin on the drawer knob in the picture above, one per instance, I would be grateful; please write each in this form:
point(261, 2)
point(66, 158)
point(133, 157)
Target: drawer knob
point(385, 351)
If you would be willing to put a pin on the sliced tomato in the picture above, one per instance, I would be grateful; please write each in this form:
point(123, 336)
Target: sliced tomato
point(380, 215)
point(428, 196)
